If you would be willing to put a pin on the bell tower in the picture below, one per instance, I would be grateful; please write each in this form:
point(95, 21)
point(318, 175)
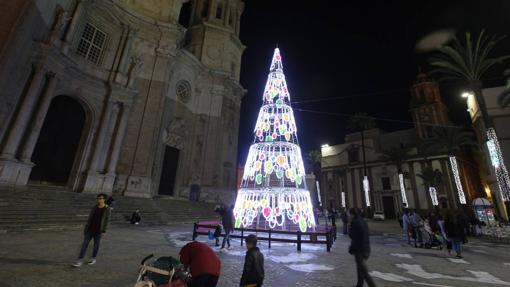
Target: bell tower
point(213, 35)
point(426, 107)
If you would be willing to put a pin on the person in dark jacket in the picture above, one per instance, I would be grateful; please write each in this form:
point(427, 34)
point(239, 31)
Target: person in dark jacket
point(227, 220)
point(455, 229)
point(253, 271)
point(360, 246)
point(97, 223)
point(345, 221)
point(135, 217)
point(203, 263)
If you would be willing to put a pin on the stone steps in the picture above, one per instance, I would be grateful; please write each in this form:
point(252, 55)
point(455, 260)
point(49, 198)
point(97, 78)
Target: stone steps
point(54, 208)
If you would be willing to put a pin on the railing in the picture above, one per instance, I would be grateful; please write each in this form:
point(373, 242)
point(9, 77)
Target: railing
point(322, 235)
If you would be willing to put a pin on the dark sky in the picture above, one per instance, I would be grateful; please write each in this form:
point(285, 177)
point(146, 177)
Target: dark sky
point(361, 50)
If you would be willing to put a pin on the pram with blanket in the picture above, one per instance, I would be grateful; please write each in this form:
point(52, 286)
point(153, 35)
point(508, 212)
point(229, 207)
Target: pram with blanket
point(162, 272)
point(432, 240)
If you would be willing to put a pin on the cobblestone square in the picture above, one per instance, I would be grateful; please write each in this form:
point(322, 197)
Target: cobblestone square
point(44, 258)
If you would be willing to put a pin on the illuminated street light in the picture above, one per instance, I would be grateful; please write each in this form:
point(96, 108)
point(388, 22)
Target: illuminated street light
point(324, 145)
point(466, 94)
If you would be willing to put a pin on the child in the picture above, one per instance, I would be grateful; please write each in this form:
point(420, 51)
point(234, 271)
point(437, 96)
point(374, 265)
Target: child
point(253, 271)
point(217, 233)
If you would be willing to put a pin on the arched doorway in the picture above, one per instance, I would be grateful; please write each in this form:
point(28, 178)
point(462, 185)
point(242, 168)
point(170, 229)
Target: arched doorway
point(58, 142)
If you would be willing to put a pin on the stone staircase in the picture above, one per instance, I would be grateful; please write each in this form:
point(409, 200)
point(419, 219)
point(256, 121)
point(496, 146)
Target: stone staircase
point(40, 207)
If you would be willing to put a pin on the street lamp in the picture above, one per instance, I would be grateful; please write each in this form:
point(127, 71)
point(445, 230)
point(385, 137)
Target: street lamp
point(466, 94)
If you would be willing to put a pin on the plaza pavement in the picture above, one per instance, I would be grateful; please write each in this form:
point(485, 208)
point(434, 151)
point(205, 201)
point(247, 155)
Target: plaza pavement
point(43, 259)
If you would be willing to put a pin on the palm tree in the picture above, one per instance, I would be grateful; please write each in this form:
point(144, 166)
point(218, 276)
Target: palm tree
point(469, 62)
point(432, 179)
point(398, 156)
point(451, 141)
point(362, 122)
point(504, 97)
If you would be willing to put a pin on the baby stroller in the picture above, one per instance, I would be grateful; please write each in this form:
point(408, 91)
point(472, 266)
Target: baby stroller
point(432, 240)
point(163, 272)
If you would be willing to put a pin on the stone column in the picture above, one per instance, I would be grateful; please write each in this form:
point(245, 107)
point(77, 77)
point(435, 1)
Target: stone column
point(112, 165)
point(21, 121)
point(103, 128)
point(35, 129)
point(227, 12)
point(238, 24)
point(73, 25)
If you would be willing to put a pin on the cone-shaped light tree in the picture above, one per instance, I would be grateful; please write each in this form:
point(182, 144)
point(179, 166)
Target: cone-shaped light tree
point(274, 186)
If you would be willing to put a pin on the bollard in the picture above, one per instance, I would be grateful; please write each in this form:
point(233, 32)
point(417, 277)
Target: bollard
point(194, 231)
point(299, 240)
point(328, 240)
point(269, 238)
point(242, 236)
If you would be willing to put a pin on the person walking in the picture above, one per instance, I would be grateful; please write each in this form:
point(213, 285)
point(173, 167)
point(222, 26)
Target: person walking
point(203, 263)
point(406, 223)
point(253, 270)
point(97, 223)
point(345, 221)
point(227, 220)
point(455, 229)
point(360, 246)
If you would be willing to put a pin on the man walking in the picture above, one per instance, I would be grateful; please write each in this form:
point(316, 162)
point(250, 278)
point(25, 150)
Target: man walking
point(227, 220)
point(345, 221)
point(360, 246)
point(97, 224)
point(253, 270)
point(405, 225)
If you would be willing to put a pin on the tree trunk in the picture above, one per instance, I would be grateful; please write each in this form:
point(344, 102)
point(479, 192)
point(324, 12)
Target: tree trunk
point(476, 87)
point(363, 149)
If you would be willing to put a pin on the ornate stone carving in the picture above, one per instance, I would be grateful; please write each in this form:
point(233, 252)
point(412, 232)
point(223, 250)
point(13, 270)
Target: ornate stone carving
point(176, 133)
point(135, 65)
point(183, 91)
point(61, 21)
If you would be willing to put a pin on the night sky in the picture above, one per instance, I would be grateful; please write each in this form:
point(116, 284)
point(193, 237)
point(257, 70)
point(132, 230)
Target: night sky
point(362, 51)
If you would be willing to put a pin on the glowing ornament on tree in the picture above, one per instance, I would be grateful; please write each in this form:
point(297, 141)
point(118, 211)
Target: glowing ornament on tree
point(273, 185)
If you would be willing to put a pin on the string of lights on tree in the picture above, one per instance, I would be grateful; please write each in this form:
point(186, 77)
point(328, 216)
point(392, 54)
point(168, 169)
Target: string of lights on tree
point(433, 196)
point(402, 189)
point(499, 164)
point(456, 177)
point(273, 184)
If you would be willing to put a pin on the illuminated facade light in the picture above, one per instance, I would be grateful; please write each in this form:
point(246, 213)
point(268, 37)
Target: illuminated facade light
point(318, 192)
point(366, 188)
point(343, 199)
point(402, 189)
point(324, 145)
point(458, 183)
point(498, 164)
point(433, 196)
point(274, 184)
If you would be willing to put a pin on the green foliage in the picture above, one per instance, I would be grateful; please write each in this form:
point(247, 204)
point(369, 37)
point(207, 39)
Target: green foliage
point(467, 61)
point(360, 122)
point(450, 140)
point(396, 156)
point(504, 97)
point(430, 176)
point(315, 156)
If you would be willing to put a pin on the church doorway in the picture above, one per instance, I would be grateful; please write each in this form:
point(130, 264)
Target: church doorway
point(389, 207)
point(55, 152)
point(169, 171)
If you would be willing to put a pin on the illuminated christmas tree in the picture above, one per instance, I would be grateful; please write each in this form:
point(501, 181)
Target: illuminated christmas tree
point(274, 184)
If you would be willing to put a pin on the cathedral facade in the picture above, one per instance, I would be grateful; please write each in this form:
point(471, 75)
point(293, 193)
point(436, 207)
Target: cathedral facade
point(133, 97)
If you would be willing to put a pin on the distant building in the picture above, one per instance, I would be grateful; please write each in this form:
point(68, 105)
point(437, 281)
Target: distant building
point(135, 97)
point(342, 165)
point(501, 120)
